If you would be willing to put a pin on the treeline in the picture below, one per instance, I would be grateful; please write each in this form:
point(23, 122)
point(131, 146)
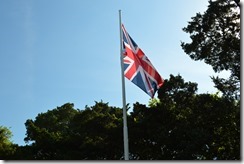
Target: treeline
point(180, 124)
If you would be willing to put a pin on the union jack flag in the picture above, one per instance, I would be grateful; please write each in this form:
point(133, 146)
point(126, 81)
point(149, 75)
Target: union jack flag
point(138, 68)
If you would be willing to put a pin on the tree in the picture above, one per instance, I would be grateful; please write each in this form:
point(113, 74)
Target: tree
point(99, 132)
point(67, 133)
point(215, 36)
point(7, 148)
point(179, 124)
point(185, 125)
point(49, 131)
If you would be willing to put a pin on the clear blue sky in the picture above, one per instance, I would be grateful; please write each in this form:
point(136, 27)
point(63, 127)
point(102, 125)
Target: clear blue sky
point(58, 51)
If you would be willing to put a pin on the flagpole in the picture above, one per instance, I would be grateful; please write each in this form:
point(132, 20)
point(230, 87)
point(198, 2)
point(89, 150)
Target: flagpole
point(125, 129)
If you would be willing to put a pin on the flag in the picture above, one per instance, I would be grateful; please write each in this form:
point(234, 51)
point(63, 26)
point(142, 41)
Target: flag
point(138, 68)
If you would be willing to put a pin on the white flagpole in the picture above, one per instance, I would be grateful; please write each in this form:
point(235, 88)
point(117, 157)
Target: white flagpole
point(126, 145)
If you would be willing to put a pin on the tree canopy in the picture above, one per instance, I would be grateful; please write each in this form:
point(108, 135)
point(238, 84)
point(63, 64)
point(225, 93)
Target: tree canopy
point(185, 125)
point(7, 148)
point(68, 133)
point(179, 124)
point(215, 39)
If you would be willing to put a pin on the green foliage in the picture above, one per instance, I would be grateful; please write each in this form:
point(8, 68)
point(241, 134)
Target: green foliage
point(215, 36)
point(49, 131)
point(185, 125)
point(7, 148)
point(153, 102)
point(100, 131)
point(68, 133)
point(179, 124)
